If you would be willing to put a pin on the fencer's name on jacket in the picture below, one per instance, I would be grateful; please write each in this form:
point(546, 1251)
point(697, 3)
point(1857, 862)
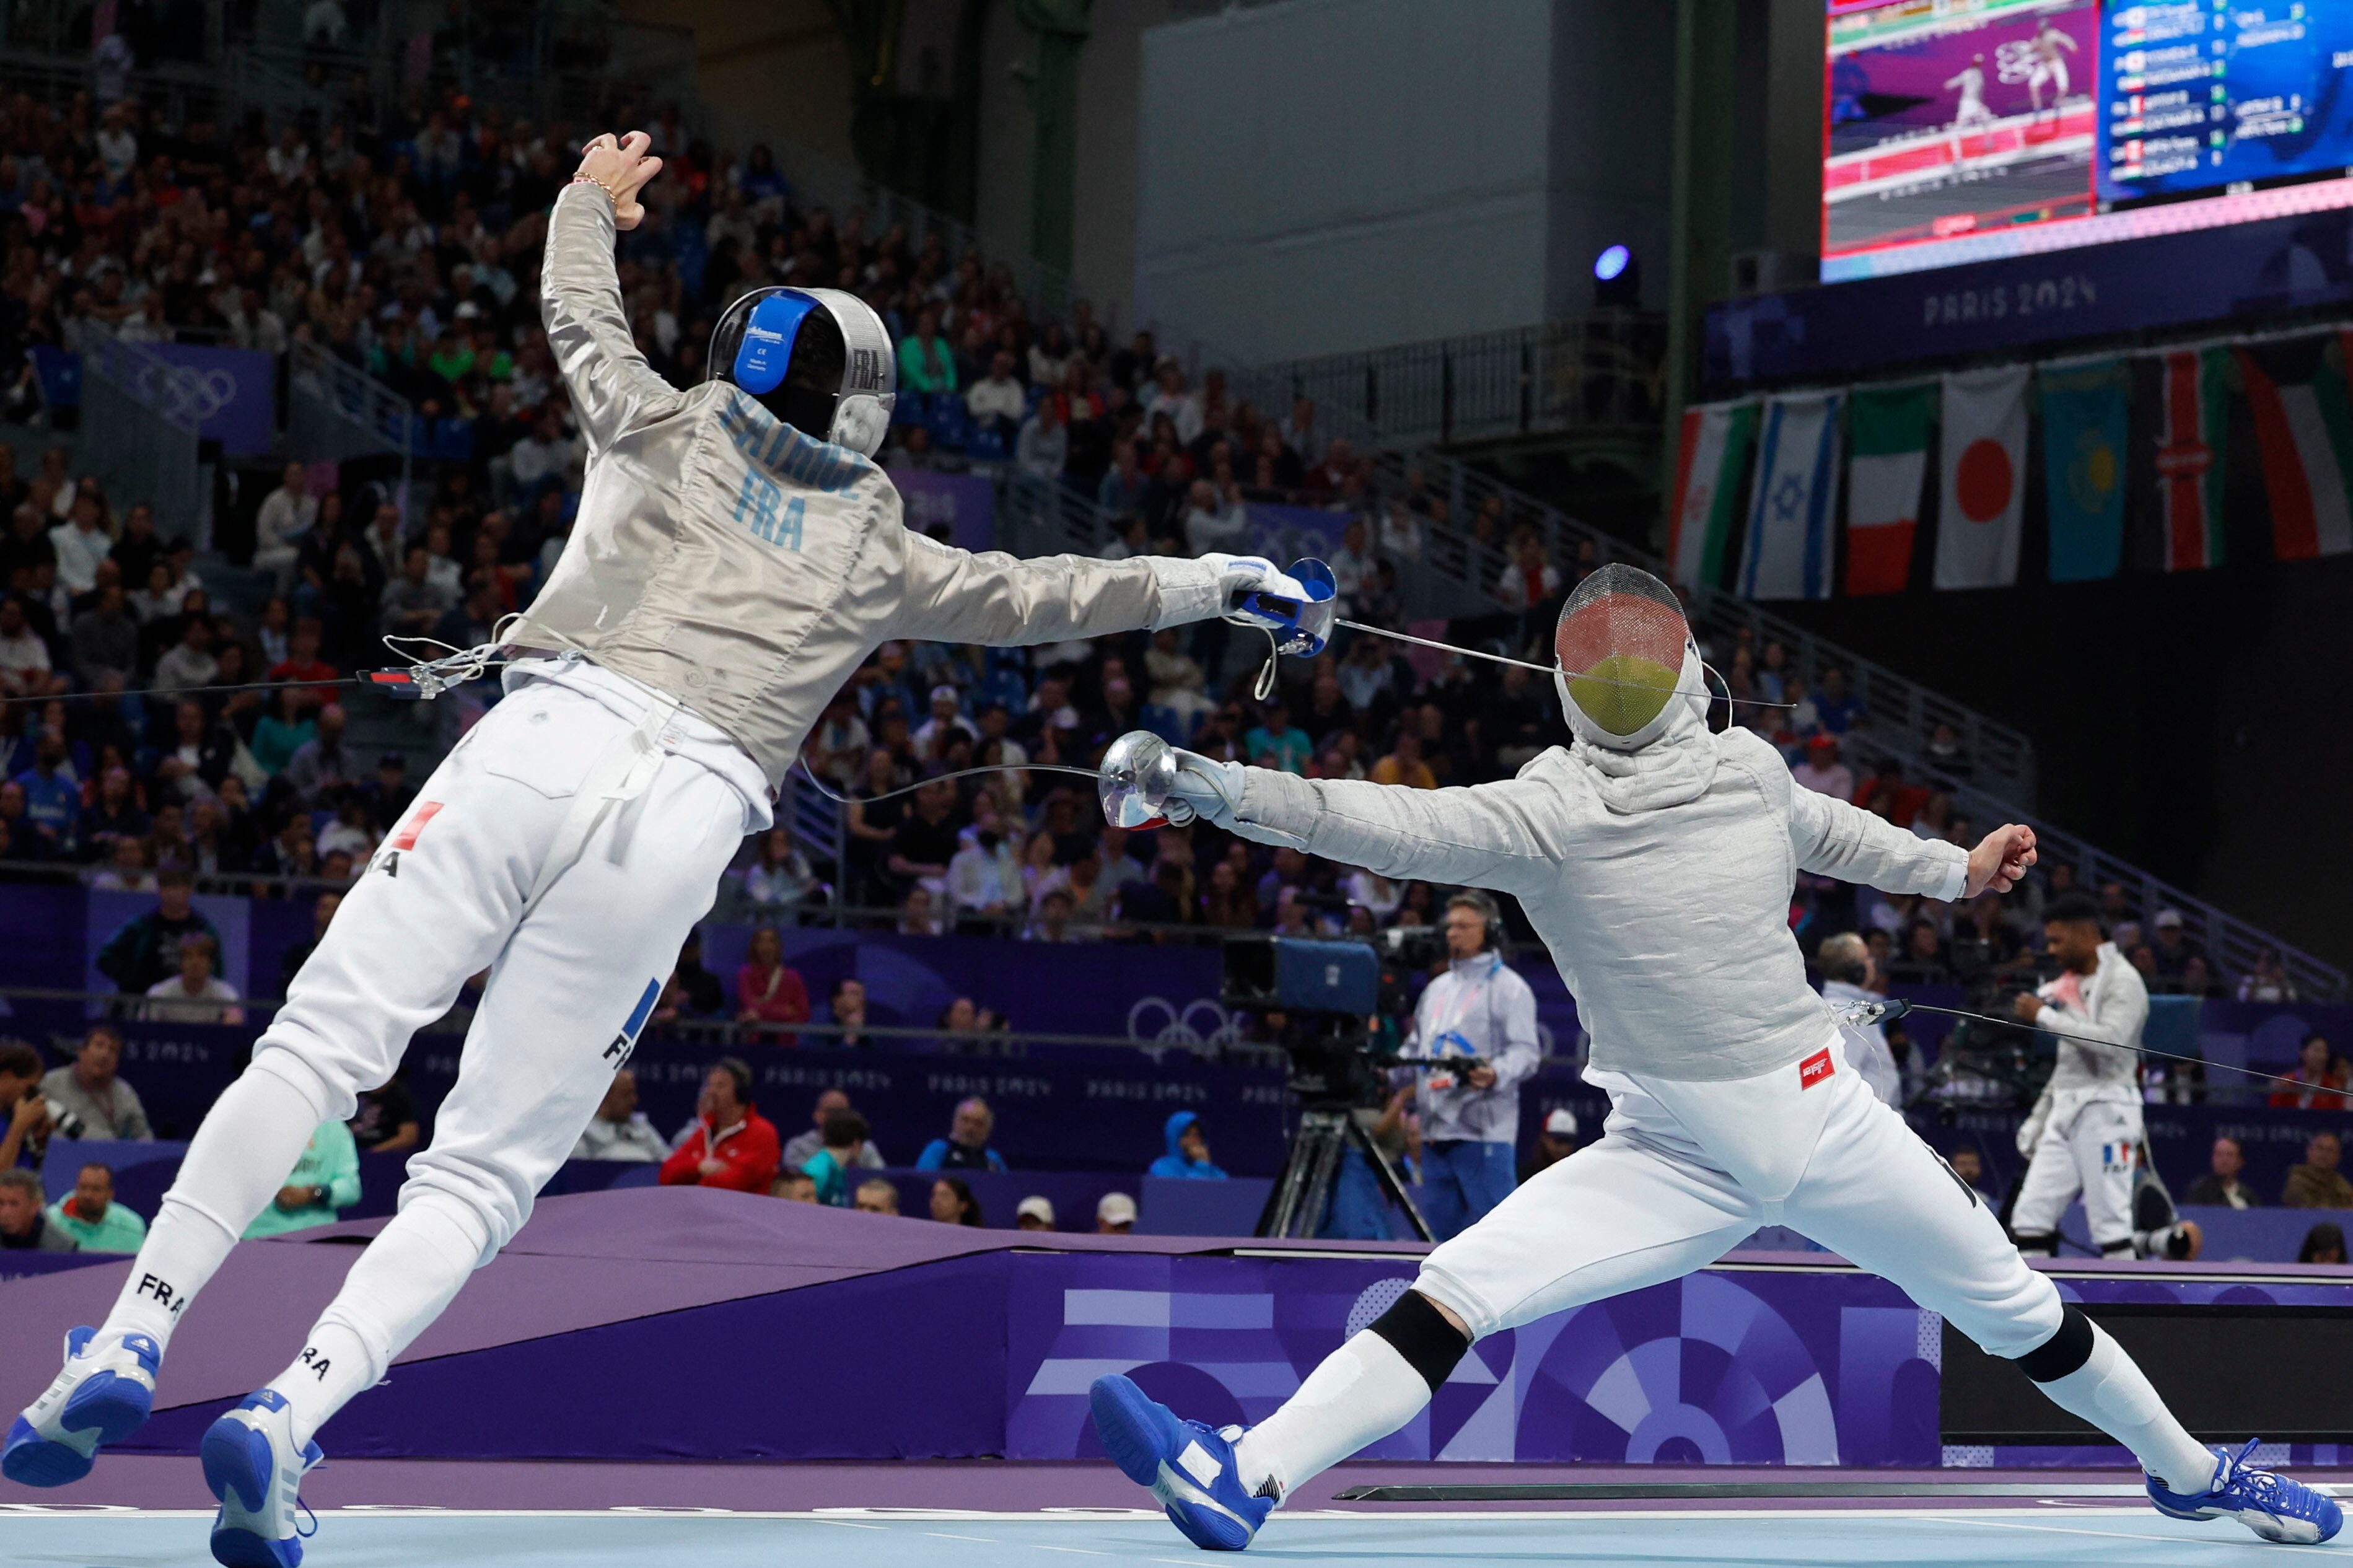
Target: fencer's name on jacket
point(766, 440)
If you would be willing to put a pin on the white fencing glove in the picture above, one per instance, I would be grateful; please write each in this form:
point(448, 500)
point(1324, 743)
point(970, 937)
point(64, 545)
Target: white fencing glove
point(1204, 788)
point(1240, 576)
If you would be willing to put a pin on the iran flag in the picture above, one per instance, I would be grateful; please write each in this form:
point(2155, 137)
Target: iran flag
point(1714, 451)
point(1984, 478)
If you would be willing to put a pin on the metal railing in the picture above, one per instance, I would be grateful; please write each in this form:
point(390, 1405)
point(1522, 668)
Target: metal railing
point(826, 182)
point(139, 419)
point(1224, 1042)
point(1602, 371)
point(2231, 944)
point(336, 410)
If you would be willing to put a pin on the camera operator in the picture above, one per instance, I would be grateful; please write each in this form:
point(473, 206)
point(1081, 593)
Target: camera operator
point(2086, 1135)
point(1470, 1116)
point(25, 1122)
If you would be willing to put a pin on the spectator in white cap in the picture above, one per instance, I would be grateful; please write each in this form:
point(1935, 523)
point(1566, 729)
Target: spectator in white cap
point(2173, 947)
point(1034, 1214)
point(936, 733)
point(1556, 1143)
point(1115, 1215)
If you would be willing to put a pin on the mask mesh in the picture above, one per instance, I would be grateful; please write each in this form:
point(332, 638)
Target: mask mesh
point(1621, 645)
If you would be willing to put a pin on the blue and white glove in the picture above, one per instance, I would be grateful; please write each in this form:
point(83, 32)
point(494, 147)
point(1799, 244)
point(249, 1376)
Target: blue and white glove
point(1204, 788)
point(1240, 576)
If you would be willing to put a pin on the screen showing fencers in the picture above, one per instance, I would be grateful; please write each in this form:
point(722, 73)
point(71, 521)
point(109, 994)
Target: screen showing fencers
point(1959, 131)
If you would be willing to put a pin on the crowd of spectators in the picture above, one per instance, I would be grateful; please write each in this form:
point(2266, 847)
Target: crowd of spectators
point(404, 238)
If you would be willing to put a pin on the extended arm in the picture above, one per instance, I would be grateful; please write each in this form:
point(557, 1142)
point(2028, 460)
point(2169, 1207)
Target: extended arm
point(1483, 836)
point(1834, 838)
point(946, 594)
point(612, 385)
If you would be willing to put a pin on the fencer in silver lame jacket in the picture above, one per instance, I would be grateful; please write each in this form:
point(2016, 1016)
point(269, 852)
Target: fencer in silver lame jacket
point(1659, 878)
point(729, 561)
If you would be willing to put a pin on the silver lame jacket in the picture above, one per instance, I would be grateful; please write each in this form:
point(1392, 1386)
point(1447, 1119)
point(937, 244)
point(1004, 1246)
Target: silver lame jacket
point(1659, 878)
point(728, 561)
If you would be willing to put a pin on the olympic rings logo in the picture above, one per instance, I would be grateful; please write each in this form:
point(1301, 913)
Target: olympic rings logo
point(183, 390)
point(1179, 1027)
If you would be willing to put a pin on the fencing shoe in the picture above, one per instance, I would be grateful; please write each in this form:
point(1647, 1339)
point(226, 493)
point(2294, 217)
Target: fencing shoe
point(101, 1396)
point(252, 1467)
point(2273, 1506)
point(1189, 1466)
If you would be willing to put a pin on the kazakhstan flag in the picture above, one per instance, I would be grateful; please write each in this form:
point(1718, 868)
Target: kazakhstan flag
point(2085, 410)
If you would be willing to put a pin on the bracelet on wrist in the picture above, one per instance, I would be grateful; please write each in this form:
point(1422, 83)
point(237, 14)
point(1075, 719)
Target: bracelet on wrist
point(591, 180)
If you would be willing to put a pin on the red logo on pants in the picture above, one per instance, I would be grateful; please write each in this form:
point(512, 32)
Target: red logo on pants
point(406, 838)
point(1814, 1068)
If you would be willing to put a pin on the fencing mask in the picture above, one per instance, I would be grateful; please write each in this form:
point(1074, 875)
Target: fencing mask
point(817, 359)
point(1624, 654)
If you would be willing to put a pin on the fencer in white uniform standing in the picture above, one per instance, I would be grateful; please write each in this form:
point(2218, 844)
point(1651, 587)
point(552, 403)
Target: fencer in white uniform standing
point(738, 554)
point(2086, 1135)
point(1656, 860)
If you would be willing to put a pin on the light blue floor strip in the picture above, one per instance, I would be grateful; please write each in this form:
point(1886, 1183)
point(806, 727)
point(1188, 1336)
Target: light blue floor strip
point(1813, 1539)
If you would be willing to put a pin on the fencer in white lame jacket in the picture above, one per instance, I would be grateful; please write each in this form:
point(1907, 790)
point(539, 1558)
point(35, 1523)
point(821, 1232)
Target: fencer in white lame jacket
point(1660, 879)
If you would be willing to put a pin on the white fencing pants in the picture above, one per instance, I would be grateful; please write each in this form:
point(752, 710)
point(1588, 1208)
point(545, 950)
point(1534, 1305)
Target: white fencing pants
point(2089, 1149)
point(446, 899)
point(1685, 1170)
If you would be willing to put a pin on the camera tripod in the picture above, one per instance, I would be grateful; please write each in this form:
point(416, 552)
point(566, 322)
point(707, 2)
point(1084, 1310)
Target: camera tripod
point(1303, 1191)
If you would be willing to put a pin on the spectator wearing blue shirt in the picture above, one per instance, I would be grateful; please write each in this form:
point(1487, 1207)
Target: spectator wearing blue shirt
point(1837, 707)
point(1275, 744)
point(966, 1148)
point(1188, 1151)
point(52, 793)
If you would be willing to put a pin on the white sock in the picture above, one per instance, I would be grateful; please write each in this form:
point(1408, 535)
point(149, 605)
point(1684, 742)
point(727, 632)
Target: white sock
point(1363, 1392)
point(408, 1274)
point(2112, 1393)
point(250, 1141)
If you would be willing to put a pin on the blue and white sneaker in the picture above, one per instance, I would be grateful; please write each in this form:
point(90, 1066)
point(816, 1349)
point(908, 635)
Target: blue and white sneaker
point(2273, 1506)
point(101, 1396)
point(253, 1467)
point(1189, 1466)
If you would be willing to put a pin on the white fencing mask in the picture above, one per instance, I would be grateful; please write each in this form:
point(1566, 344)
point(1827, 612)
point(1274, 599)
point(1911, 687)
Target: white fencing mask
point(1624, 654)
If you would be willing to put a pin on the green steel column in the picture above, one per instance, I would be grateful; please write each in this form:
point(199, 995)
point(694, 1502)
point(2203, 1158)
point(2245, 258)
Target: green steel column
point(1700, 263)
point(1061, 29)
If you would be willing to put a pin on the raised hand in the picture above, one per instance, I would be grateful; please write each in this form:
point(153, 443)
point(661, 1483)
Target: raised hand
point(622, 166)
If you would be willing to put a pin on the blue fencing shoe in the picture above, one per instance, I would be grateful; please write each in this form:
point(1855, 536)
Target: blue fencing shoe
point(101, 1396)
point(1189, 1466)
point(253, 1467)
point(2273, 1506)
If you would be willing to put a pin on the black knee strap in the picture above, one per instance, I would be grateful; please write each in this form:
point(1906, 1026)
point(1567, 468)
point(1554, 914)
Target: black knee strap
point(2064, 1351)
point(1430, 1344)
point(2034, 1243)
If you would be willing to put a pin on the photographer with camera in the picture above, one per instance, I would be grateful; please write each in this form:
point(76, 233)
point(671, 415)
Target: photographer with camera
point(2086, 1135)
point(25, 1124)
point(1476, 1024)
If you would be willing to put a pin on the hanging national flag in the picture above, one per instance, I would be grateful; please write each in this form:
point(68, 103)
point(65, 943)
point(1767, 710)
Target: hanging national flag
point(1888, 431)
point(1715, 440)
point(1983, 483)
point(2178, 458)
point(2304, 427)
point(1790, 552)
point(2086, 430)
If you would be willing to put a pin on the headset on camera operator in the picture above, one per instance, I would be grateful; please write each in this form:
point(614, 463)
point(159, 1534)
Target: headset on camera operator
point(1476, 1024)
